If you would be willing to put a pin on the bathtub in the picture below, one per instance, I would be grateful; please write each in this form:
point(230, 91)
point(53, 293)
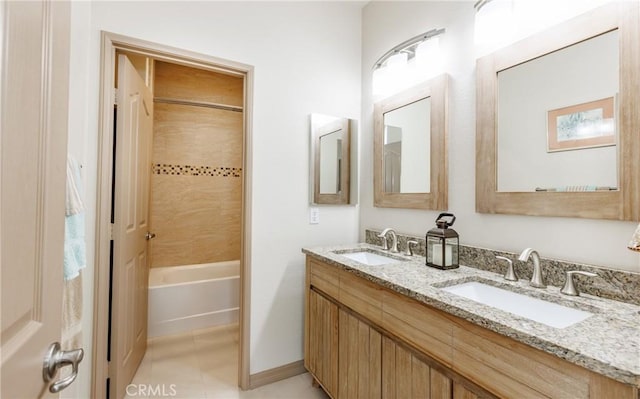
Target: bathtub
point(185, 298)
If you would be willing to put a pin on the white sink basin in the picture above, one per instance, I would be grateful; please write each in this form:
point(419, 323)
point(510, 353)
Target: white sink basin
point(370, 258)
point(535, 309)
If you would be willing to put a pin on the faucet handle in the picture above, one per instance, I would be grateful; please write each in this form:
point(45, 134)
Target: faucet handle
point(385, 243)
point(410, 244)
point(569, 288)
point(510, 274)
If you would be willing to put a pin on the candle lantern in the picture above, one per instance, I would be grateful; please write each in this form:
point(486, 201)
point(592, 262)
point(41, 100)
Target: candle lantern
point(443, 244)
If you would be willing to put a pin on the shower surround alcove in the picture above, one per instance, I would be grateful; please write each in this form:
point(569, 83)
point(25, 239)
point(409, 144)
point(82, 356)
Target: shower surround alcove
point(196, 185)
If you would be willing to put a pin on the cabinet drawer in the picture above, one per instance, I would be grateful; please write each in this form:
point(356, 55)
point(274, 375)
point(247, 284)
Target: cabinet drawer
point(419, 325)
point(511, 369)
point(324, 277)
point(361, 296)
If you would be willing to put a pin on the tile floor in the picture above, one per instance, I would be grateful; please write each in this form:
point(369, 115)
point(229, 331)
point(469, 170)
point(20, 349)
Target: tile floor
point(203, 364)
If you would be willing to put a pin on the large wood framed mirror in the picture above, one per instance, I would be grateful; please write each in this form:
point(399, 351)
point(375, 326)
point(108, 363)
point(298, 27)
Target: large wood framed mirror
point(330, 166)
point(410, 148)
point(558, 120)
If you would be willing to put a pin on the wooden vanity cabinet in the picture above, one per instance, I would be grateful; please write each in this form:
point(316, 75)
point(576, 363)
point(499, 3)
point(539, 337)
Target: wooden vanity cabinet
point(365, 341)
point(351, 358)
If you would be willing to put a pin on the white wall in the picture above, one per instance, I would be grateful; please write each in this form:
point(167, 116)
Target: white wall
point(307, 59)
point(385, 24)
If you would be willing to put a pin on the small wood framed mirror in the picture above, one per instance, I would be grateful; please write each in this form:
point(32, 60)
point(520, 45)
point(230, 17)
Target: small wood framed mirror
point(330, 165)
point(410, 148)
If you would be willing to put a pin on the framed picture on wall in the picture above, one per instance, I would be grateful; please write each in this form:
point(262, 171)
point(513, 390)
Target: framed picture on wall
point(581, 126)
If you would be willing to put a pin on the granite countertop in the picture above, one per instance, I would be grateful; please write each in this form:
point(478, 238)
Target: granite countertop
point(607, 343)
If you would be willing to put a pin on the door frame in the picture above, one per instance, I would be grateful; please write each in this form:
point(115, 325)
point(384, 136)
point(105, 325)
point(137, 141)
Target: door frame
point(110, 42)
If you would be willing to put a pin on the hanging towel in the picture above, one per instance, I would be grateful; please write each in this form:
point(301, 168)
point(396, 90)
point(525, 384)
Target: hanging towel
point(634, 244)
point(74, 203)
point(72, 314)
point(74, 243)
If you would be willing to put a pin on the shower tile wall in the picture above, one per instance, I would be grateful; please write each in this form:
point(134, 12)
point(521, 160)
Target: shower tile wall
point(196, 183)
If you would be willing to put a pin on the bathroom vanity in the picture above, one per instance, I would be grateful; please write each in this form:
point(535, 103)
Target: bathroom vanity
point(390, 330)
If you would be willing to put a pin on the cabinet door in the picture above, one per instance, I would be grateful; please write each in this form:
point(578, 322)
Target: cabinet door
point(360, 359)
point(405, 375)
point(323, 341)
point(461, 392)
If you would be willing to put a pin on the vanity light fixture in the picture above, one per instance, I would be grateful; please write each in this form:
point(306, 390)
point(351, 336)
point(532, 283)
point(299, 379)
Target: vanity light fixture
point(499, 23)
point(413, 61)
point(397, 61)
point(494, 25)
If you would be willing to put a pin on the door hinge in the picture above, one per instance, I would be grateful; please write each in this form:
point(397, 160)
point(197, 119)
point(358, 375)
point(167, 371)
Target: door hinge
point(111, 228)
point(115, 96)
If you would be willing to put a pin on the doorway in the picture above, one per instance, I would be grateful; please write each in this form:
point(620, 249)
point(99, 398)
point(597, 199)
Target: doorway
point(146, 56)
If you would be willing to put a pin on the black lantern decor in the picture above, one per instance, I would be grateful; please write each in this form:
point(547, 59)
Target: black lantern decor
point(442, 244)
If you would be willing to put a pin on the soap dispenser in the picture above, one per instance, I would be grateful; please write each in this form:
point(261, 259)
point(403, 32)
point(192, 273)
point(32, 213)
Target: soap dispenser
point(443, 244)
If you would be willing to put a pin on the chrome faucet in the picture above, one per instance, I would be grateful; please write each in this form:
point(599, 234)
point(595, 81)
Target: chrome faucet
point(569, 287)
point(394, 240)
point(536, 280)
point(510, 274)
point(410, 245)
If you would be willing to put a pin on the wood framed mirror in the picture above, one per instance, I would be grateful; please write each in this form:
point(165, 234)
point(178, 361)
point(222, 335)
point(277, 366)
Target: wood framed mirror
point(410, 148)
point(330, 166)
point(542, 94)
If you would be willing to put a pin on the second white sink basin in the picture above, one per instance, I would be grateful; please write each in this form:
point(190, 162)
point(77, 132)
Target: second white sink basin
point(535, 309)
point(370, 258)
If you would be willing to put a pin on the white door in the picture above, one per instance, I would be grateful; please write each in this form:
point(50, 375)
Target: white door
point(34, 64)
point(130, 259)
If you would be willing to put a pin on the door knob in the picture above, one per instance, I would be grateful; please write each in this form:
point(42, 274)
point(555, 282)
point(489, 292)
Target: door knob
point(149, 235)
point(55, 359)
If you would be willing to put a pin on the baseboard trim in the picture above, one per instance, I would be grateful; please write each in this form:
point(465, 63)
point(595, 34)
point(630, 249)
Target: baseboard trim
point(276, 374)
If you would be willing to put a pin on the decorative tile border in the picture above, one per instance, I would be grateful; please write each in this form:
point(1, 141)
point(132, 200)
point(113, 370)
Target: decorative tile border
point(189, 170)
point(612, 284)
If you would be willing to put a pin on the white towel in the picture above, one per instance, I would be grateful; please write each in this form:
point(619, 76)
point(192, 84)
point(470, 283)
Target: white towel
point(74, 204)
point(74, 242)
point(72, 314)
point(634, 244)
point(74, 261)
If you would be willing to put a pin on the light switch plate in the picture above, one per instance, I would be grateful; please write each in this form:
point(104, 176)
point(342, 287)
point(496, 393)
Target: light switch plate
point(314, 215)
